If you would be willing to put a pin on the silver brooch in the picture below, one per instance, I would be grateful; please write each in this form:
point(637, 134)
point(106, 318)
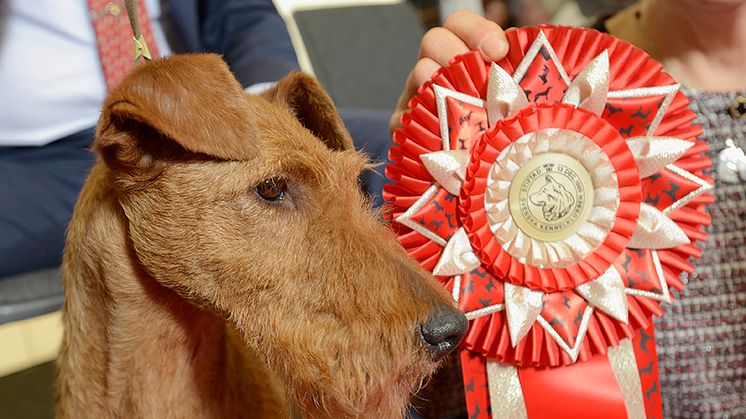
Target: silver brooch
point(731, 163)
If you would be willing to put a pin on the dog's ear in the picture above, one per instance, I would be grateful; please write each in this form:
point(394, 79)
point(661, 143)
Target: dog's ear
point(174, 108)
point(313, 107)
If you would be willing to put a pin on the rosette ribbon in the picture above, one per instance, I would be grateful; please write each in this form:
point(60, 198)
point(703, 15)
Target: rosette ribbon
point(558, 195)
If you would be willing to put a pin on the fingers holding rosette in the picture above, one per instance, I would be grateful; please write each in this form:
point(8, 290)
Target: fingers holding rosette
point(462, 32)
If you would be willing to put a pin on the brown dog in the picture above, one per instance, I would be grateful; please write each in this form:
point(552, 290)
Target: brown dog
point(221, 262)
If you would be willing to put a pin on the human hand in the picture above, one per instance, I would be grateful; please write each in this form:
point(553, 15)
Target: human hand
point(462, 32)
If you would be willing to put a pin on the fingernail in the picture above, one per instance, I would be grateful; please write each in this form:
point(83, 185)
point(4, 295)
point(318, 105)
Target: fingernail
point(493, 46)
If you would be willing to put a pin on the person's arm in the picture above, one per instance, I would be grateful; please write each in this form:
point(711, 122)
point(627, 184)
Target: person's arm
point(251, 36)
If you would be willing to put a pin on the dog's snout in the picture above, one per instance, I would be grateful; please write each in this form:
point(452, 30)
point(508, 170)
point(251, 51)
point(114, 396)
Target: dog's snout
point(443, 331)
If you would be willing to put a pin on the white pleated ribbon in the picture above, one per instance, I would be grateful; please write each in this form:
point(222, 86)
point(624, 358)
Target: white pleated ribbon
point(593, 231)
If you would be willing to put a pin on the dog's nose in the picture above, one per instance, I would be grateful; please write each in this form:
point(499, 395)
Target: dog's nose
point(443, 331)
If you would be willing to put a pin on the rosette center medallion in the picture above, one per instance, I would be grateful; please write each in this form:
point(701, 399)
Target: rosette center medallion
point(549, 197)
point(541, 200)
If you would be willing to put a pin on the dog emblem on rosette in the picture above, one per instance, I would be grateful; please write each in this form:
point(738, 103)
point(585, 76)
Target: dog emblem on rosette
point(535, 199)
point(554, 199)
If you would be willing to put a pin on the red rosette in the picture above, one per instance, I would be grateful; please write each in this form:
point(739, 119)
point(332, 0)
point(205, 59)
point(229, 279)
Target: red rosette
point(461, 124)
point(507, 267)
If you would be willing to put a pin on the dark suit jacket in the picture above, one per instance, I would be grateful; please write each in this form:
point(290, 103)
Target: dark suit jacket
point(249, 34)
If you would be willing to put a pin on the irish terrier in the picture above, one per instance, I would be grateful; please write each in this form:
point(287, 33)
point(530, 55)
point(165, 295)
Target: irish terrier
point(222, 262)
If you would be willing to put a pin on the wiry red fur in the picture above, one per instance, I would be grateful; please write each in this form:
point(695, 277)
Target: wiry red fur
point(189, 296)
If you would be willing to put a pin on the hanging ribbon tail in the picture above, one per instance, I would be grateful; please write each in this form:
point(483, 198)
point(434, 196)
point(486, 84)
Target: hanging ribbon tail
point(646, 357)
point(591, 87)
point(620, 384)
point(506, 394)
point(656, 231)
point(624, 364)
point(476, 392)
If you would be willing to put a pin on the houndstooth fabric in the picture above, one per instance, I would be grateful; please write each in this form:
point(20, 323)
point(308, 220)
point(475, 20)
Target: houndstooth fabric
point(702, 337)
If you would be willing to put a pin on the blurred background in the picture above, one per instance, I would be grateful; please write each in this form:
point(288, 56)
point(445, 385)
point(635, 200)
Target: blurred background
point(361, 51)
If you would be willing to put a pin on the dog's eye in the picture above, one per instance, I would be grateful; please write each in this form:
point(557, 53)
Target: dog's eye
point(272, 189)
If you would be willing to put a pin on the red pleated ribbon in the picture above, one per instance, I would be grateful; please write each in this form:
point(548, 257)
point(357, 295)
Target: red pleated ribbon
point(585, 390)
point(563, 361)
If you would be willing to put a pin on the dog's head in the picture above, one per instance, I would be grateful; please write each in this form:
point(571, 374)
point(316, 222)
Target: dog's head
point(250, 206)
point(553, 198)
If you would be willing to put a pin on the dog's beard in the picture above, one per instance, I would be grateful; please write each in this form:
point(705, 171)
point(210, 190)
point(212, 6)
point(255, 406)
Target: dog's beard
point(389, 400)
point(394, 401)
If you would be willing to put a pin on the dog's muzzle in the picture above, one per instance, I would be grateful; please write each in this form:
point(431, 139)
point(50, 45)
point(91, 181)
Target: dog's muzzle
point(443, 331)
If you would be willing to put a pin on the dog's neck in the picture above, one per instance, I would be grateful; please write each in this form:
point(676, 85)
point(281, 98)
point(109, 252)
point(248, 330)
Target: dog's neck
point(187, 344)
point(158, 355)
